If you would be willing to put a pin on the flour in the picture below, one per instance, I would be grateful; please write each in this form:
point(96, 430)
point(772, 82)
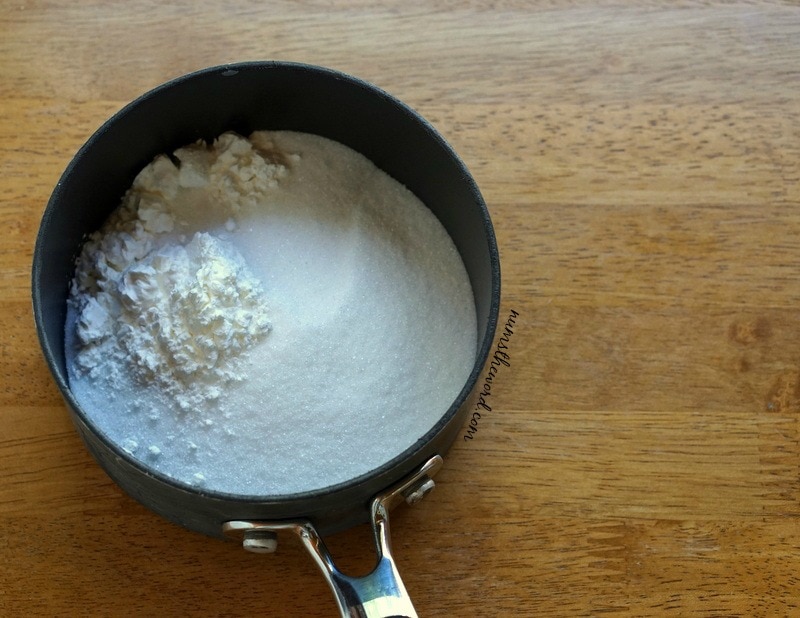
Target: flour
point(179, 316)
point(174, 314)
point(267, 316)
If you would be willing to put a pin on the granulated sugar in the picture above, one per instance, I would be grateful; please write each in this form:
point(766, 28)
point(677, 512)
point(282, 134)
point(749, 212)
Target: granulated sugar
point(268, 317)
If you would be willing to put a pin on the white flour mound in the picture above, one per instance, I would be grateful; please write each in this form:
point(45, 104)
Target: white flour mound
point(179, 316)
point(268, 315)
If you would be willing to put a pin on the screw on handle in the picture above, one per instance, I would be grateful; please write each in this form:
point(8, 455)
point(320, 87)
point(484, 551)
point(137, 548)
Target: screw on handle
point(379, 594)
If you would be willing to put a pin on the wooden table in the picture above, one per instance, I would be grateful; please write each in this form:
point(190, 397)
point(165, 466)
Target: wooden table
point(641, 166)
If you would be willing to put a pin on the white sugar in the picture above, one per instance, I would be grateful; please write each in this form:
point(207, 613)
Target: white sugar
point(324, 317)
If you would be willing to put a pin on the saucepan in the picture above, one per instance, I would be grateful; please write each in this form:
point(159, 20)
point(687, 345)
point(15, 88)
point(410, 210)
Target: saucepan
point(245, 97)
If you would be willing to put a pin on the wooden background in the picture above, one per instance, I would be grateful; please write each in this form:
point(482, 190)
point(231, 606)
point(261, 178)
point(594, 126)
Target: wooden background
point(640, 161)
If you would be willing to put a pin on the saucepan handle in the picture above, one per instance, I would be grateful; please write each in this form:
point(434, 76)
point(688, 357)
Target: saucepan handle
point(379, 594)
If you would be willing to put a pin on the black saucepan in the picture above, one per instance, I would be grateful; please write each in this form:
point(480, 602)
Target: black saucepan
point(276, 96)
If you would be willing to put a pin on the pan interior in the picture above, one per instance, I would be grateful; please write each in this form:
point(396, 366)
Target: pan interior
point(268, 315)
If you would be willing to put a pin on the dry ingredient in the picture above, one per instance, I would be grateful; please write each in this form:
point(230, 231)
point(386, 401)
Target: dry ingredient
point(179, 317)
point(268, 315)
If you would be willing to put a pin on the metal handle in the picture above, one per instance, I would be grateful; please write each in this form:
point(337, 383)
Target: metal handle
point(379, 594)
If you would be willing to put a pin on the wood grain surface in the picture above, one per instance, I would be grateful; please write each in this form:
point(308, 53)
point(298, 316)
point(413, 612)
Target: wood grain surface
point(641, 164)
